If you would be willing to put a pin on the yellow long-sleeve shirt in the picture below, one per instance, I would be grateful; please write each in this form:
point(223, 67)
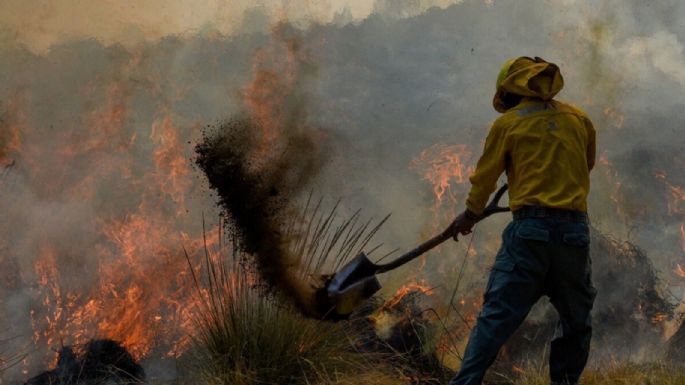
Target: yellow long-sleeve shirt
point(547, 149)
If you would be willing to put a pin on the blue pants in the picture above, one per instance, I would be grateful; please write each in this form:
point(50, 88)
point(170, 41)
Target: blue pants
point(544, 252)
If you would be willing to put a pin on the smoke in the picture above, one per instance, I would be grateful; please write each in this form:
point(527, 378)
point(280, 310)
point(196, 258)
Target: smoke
point(259, 162)
point(98, 124)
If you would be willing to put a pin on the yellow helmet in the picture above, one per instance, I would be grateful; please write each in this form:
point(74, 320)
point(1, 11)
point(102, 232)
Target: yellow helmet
point(504, 72)
point(526, 76)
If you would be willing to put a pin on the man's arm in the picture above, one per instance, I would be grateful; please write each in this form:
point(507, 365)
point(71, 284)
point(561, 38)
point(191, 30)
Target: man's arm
point(490, 166)
point(483, 181)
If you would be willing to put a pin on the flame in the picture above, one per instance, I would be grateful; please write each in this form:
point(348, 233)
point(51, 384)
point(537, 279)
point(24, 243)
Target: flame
point(274, 84)
point(446, 168)
point(615, 192)
point(676, 194)
point(518, 369)
point(659, 318)
point(137, 292)
point(675, 202)
point(10, 129)
point(122, 274)
point(414, 287)
point(679, 270)
point(172, 168)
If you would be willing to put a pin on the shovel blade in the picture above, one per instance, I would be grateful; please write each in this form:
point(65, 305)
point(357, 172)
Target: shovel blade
point(353, 296)
point(353, 284)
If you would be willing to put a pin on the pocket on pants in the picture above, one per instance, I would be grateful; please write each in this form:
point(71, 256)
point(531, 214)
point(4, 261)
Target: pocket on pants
point(504, 265)
point(530, 246)
point(532, 233)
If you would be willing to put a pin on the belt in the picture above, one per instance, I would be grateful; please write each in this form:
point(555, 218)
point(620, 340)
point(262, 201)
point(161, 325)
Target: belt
point(546, 212)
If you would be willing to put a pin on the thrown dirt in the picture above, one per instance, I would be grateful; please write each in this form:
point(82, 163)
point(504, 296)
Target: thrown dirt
point(257, 186)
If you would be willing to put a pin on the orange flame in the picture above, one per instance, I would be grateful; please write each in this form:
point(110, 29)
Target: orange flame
point(136, 288)
point(10, 129)
point(446, 168)
point(274, 85)
point(403, 291)
point(518, 369)
point(679, 270)
point(615, 185)
point(138, 292)
point(659, 318)
point(676, 194)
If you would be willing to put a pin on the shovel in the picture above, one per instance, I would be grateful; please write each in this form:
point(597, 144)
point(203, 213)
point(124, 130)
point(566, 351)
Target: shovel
point(356, 282)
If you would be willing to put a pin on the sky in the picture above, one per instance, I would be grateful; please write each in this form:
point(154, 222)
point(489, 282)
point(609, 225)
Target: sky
point(41, 23)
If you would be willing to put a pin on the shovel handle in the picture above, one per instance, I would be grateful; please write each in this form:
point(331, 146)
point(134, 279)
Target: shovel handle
point(492, 208)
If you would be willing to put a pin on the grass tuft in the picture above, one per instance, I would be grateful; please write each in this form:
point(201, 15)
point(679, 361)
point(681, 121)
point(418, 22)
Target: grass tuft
point(248, 337)
point(246, 334)
point(616, 374)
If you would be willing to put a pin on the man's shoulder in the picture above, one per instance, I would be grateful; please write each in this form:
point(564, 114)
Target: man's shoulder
point(522, 112)
point(570, 108)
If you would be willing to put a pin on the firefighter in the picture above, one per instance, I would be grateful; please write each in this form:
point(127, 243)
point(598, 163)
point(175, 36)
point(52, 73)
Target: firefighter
point(547, 149)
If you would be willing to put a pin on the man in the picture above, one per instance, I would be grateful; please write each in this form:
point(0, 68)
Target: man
point(547, 149)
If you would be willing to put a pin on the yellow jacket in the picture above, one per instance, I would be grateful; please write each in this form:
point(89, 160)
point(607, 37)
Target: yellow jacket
point(546, 147)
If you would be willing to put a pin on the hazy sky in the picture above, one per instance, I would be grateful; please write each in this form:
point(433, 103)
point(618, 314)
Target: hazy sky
point(40, 23)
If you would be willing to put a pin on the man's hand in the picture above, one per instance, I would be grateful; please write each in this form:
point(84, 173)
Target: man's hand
point(462, 224)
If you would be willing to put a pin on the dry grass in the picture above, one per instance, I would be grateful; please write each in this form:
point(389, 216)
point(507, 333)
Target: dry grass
point(8, 359)
point(616, 374)
point(247, 335)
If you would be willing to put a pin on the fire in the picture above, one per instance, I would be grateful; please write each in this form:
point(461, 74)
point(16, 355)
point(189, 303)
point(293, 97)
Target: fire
point(659, 318)
point(276, 74)
point(519, 370)
point(675, 200)
point(615, 185)
point(679, 270)
point(676, 194)
point(117, 201)
point(10, 128)
point(262, 97)
point(446, 168)
point(418, 287)
point(171, 166)
point(127, 281)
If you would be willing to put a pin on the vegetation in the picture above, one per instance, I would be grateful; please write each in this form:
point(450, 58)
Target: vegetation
point(8, 359)
point(247, 335)
point(616, 374)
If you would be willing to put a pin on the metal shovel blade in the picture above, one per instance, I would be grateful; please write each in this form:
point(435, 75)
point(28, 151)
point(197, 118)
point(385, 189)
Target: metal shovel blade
point(353, 284)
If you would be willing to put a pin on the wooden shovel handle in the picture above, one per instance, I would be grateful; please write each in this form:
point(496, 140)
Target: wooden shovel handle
point(492, 208)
